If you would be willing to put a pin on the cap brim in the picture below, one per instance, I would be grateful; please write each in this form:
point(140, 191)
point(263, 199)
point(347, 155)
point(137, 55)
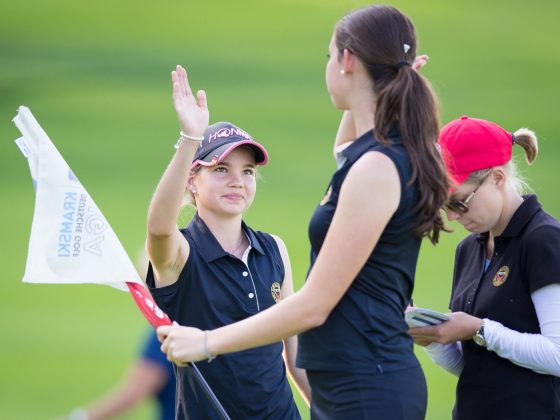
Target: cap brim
point(220, 153)
point(458, 179)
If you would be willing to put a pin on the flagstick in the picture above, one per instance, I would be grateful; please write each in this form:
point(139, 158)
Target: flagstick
point(208, 391)
point(156, 317)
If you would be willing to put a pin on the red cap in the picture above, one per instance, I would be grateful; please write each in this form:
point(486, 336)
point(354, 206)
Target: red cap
point(470, 144)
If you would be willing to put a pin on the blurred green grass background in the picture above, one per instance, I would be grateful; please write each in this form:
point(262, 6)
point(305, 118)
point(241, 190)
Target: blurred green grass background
point(97, 77)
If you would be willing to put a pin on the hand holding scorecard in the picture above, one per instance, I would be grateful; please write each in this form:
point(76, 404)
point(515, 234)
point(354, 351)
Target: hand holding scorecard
point(421, 317)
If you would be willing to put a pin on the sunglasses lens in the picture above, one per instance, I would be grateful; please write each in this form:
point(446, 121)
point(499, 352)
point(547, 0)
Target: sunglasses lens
point(457, 206)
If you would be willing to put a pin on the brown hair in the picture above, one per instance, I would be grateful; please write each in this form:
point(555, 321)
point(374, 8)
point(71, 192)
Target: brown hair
point(384, 40)
point(527, 139)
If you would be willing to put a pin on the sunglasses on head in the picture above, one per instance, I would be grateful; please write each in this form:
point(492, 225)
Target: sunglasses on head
point(461, 206)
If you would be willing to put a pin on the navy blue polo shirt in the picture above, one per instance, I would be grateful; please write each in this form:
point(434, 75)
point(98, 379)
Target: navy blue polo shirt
point(215, 289)
point(366, 332)
point(526, 258)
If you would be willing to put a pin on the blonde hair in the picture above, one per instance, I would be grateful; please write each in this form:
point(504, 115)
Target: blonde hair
point(186, 214)
point(527, 139)
point(188, 206)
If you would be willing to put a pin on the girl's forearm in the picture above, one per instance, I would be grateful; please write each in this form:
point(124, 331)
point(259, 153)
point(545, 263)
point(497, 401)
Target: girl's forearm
point(167, 200)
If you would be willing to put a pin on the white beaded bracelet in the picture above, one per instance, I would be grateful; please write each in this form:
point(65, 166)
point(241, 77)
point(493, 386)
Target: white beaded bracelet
point(206, 351)
point(186, 137)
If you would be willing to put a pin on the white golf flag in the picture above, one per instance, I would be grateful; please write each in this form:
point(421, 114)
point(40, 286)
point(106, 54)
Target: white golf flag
point(71, 241)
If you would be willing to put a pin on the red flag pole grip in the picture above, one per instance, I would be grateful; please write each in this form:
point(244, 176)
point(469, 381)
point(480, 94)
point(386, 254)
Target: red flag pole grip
point(145, 302)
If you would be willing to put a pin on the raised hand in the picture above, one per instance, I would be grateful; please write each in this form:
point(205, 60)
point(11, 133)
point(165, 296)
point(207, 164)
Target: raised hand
point(192, 112)
point(420, 61)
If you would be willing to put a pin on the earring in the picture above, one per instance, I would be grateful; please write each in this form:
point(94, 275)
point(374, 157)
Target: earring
point(193, 191)
point(342, 72)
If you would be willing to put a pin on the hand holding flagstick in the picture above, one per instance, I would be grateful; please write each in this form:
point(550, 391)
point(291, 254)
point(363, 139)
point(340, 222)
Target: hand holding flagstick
point(173, 339)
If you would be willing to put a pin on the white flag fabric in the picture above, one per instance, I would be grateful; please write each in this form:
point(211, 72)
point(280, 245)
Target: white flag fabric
point(71, 241)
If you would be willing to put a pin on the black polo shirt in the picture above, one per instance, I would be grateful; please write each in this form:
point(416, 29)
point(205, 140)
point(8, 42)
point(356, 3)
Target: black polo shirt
point(526, 258)
point(215, 289)
point(366, 332)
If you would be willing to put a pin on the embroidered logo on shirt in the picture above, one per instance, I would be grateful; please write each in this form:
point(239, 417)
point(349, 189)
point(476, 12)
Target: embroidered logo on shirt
point(501, 276)
point(275, 291)
point(326, 197)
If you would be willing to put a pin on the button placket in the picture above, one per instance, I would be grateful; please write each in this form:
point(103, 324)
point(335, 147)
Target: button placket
point(251, 295)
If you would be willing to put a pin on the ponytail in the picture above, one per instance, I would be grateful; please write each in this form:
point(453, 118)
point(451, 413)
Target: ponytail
point(409, 101)
point(384, 40)
point(527, 139)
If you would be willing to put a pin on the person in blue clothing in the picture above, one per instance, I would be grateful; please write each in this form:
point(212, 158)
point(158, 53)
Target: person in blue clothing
point(150, 376)
point(218, 270)
point(365, 235)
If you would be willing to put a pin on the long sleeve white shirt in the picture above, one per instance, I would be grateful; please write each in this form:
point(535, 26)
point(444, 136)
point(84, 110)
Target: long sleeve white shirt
point(538, 352)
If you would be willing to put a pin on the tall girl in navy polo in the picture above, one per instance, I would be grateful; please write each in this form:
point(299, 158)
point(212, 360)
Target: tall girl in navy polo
point(503, 339)
point(218, 270)
point(365, 234)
